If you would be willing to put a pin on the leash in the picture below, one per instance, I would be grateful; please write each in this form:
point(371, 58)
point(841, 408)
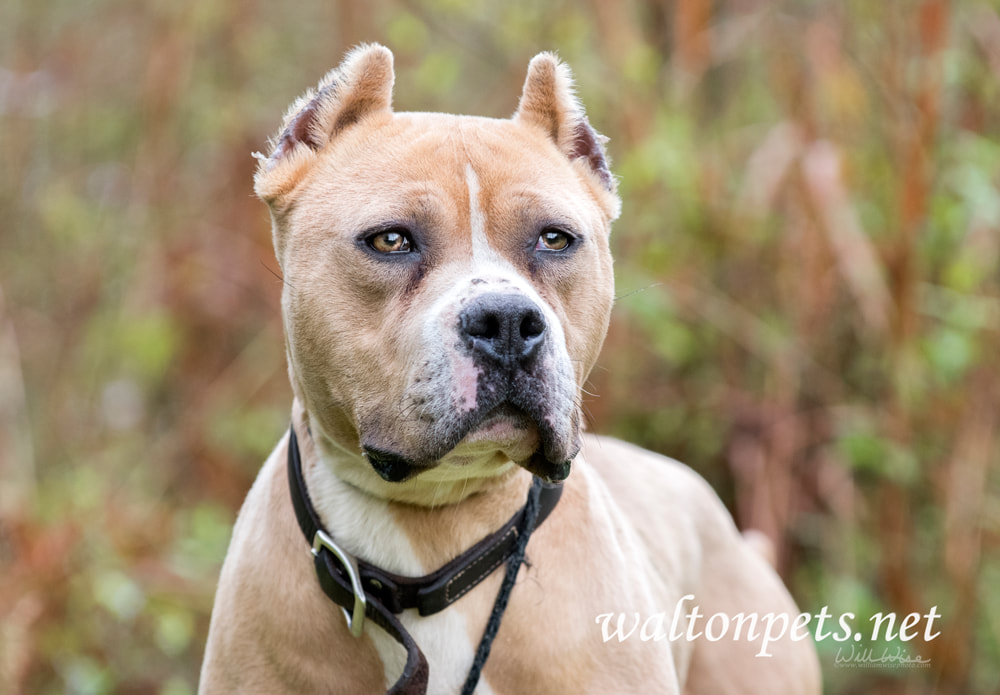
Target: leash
point(366, 592)
point(513, 565)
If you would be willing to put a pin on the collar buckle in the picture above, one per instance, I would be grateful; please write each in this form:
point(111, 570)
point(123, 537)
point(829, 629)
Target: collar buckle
point(355, 619)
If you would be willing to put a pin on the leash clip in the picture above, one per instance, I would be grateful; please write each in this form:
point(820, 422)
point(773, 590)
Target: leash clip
point(355, 620)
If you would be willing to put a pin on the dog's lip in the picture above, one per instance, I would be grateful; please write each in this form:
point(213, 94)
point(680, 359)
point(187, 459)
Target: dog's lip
point(549, 471)
point(507, 414)
point(506, 423)
point(392, 467)
point(505, 428)
point(504, 414)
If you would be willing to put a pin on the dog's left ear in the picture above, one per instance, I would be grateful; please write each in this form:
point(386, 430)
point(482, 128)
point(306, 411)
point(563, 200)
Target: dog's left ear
point(549, 102)
point(359, 88)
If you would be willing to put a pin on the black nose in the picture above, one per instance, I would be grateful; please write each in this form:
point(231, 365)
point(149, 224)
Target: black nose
point(503, 327)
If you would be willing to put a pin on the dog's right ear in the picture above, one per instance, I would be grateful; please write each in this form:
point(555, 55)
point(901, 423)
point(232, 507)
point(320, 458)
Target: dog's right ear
point(360, 87)
point(548, 102)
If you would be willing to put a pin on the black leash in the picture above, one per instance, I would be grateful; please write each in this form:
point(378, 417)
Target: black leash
point(513, 565)
point(366, 592)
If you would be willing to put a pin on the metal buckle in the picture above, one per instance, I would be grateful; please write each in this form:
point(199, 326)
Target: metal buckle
point(355, 620)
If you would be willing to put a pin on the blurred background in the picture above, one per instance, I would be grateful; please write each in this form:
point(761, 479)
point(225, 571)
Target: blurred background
point(807, 268)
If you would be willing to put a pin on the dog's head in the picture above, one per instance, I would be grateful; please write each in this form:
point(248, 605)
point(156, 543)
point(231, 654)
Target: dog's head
point(448, 282)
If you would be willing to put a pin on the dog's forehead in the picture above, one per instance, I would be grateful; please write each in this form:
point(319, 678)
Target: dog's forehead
point(429, 155)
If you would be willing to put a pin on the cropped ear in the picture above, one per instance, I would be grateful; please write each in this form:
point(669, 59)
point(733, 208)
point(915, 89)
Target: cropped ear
point(359, 87)
point(548, 102)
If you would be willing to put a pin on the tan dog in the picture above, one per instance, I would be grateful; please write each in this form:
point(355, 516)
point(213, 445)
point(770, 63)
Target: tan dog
point(448, 286)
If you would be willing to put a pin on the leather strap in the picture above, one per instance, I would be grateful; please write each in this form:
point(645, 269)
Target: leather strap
point(413, 680)
point(388, 594)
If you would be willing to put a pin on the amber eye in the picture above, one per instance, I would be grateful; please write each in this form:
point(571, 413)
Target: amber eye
point(391, 241)
point(553, 240)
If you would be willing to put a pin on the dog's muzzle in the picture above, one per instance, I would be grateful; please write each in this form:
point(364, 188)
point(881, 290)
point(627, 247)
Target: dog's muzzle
point(506, 335)
point(518, 375)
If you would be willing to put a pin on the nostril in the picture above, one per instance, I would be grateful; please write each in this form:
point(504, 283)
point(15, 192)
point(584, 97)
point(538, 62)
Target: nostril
point(491, 328)
point(532, 325)
point(481, 325)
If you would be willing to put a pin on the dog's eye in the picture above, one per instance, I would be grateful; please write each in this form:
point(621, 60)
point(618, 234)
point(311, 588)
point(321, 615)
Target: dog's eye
point(552, 239)
point(394, 240)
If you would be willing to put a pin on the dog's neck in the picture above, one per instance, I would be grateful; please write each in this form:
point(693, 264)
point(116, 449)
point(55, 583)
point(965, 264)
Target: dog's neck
point(359, 508)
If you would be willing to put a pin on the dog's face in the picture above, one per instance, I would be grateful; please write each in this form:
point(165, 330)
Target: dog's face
point(448, 282)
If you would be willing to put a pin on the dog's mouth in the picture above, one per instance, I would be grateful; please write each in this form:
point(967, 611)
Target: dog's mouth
point(502, 422)
point(526, 438)
point(507, 422)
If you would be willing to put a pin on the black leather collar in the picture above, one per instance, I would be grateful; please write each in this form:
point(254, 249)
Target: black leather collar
point(367, 592)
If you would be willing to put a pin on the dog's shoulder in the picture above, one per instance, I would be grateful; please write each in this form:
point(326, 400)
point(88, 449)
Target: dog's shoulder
point(268, 576)
point(653, 486)
point(698, 550)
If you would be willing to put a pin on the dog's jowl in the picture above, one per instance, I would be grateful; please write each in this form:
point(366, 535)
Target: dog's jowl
point(435, 520)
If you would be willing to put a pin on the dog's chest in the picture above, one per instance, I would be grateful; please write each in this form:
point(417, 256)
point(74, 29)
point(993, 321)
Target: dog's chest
point(581, 563)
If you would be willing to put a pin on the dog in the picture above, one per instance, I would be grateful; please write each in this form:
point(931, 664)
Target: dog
point(447, 289)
